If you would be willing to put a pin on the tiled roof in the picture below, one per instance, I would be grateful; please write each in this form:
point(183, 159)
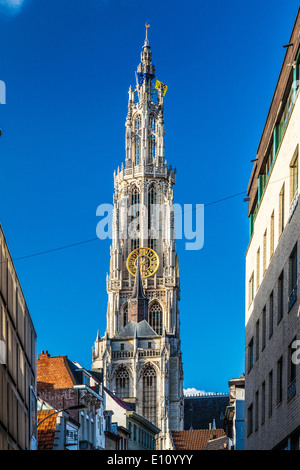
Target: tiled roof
point(46, 430)
point(54, 372)
point(195, 439)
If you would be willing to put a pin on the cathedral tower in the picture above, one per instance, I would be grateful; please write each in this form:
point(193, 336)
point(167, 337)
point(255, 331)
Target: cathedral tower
point(140, 353)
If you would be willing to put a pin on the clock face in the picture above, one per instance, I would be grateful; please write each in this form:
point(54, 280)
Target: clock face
point(149, 261)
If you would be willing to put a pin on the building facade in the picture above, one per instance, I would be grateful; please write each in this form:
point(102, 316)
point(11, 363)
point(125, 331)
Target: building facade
point(63, 384)
point(234, 422)
point(141, 433)
point(272, 375)
point(140, 353)
point(203, 409)
point(18, 408)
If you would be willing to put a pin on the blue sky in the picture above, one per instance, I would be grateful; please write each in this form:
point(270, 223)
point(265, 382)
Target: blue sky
point(67, 66)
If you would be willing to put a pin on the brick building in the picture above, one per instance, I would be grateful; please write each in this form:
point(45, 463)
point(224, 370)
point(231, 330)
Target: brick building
point(63, 384)
point(272, 390)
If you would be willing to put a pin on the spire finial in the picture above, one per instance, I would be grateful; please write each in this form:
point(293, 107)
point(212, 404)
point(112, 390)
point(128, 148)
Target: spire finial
point(146, 43)
point(147, 26)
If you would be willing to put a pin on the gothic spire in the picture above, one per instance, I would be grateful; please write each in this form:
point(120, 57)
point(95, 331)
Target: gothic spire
point(138, 290)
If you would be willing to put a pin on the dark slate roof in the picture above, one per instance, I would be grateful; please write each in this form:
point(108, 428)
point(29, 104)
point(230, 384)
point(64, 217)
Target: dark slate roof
point(141, 330)
point(200, 411)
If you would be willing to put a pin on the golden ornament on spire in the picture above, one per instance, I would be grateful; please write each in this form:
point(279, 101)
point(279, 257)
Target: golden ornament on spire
point(147, 26)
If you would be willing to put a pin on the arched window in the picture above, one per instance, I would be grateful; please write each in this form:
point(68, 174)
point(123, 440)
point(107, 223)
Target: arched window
point(152, 139)
point(122, 383)
point(149, 399)
point(151, 214)
point(155, 317)
point(137, 141)
point(134, 202)
point(135, 196)
point(152, 147)
point(153, 123)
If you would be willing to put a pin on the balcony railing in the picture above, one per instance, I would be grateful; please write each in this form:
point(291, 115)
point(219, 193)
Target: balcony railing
point(122, 354)
point(291, 389)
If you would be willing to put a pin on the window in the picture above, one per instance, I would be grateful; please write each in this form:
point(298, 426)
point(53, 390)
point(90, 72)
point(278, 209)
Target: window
point(151, 209)
point(256, 410)
point(257, 340)
point(279, 381)
point(294, 176)
point(272, 235)
point(250, 420)
point(135, 243)
point(271, 314)
point(280, 298)
point(134, 198)
point(155, 317)
point(265, 252)
point(263, 329)
point(263, 402)
point(281, 211)
point(291, 370)
point(137, 141)
point(125, 314)
point(152, 147)
point(152, 139)
point(149, 387)
point(270, 393)
point(257, 268)
point(122, 383)
point(251, 289)
point(122, 346)
point(293, 277)
point(250, 355)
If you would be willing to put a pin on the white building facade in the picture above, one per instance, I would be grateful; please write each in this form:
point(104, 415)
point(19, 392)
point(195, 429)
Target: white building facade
point(140, 353)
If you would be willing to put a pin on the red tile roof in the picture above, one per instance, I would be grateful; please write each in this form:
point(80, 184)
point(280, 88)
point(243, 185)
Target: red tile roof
point(195, 439)
point(54, 372)
point(46, 430)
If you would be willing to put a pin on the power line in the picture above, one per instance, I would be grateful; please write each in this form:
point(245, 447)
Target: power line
point(63, 247)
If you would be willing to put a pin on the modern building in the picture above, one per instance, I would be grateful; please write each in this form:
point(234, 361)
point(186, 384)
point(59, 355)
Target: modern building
point(234, 422)
point(201, 410)
point(272, 375)
point(18, 408)
point(140, 353)
point(64, 385)
point(142, 433)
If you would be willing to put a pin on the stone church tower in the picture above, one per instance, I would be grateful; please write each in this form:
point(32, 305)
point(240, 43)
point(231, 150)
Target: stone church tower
point(140, 353)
